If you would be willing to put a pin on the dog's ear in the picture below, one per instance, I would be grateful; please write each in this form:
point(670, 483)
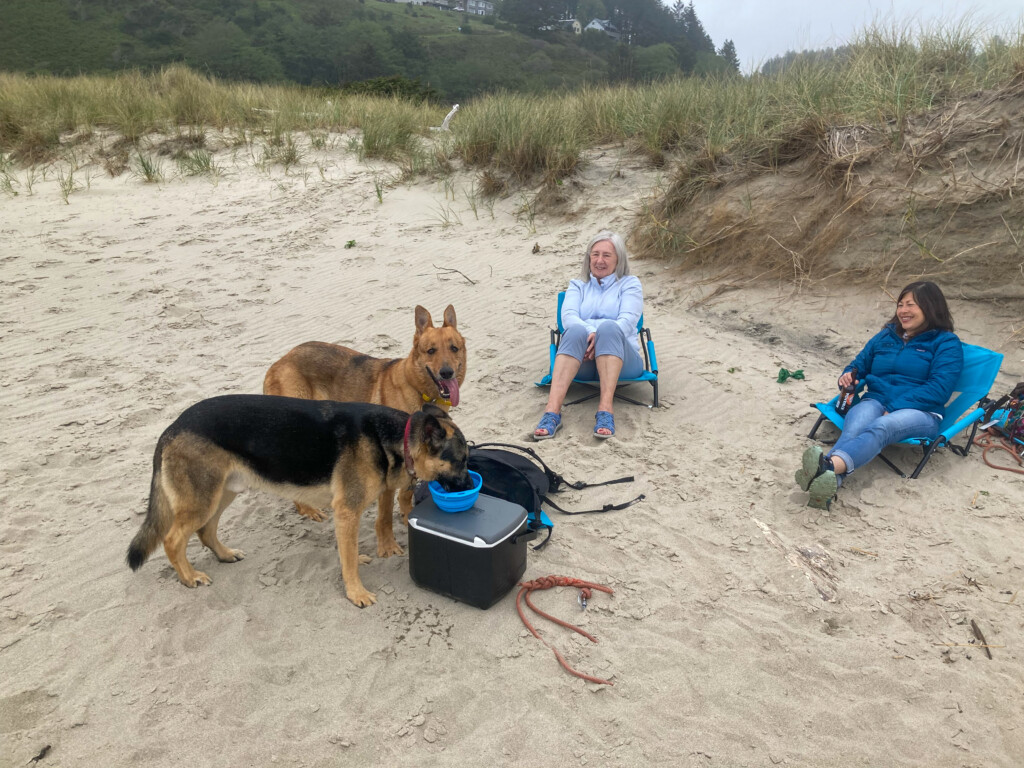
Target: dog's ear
point(433, 410)
point(423, 319)
point(449, 317)
point(433, 434)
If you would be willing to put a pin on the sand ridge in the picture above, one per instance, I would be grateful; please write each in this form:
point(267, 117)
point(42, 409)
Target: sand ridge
point(134, 300)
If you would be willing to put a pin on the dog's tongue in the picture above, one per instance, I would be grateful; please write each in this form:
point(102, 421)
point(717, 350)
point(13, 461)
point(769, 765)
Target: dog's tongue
point(452, 385)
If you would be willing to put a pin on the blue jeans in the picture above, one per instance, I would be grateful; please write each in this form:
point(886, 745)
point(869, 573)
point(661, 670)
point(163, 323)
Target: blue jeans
point(868, 429)
point(609, 340)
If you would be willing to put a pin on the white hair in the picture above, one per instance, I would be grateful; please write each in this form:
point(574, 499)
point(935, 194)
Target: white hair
point(621, 265)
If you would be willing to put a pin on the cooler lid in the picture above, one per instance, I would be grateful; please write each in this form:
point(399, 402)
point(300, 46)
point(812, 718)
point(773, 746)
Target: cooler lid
point(487, 523)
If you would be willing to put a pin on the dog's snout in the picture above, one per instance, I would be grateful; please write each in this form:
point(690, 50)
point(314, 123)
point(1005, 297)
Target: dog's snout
point(447, 372)
point(456, 482)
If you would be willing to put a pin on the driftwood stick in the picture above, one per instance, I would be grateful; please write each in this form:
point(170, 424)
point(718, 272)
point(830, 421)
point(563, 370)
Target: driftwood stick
point(860, 551)
point(450, 269)
point(981, 638)
point(970, 645)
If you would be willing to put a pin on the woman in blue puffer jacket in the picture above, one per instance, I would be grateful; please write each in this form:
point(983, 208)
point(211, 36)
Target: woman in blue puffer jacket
point(909, 368)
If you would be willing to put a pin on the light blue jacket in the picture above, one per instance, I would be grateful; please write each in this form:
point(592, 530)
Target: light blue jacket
point(618, 299)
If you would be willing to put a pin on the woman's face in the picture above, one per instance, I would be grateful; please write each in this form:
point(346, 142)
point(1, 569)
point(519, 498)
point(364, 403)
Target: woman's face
point(603, 259)
point(910, 315)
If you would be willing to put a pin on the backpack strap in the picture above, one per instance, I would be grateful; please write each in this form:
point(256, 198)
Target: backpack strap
point(991, 406)
point(536, 521)
point(605, 508)
point(547, 538)
point(555, 479)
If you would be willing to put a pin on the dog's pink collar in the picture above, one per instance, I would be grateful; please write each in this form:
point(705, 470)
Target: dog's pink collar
point(405, 444)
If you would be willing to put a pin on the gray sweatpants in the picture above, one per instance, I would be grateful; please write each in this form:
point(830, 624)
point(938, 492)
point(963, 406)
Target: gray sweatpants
point(609, 341)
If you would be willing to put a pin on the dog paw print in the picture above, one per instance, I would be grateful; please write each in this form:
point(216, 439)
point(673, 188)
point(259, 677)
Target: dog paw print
point(269, 576)
point(416, 627)
point(434, 732)
point(384, 343)
point(430, 730)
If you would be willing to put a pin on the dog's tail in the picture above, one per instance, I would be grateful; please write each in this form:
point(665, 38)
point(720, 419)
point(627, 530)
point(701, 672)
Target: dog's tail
point(157, 522)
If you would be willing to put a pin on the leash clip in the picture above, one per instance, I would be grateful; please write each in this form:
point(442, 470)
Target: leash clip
point(582, 600)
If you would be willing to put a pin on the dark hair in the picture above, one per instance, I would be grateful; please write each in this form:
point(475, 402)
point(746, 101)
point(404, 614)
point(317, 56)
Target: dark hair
point(932, 303)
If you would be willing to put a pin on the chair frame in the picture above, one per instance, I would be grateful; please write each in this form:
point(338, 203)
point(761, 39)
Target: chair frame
point(650, 374)
point(965, 409)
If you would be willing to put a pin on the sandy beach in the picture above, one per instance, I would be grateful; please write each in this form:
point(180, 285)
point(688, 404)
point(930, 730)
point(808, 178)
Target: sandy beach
point(745, 629)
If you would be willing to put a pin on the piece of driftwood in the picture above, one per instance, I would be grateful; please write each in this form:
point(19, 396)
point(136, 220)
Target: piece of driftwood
point(981, 638)
point(815, 562)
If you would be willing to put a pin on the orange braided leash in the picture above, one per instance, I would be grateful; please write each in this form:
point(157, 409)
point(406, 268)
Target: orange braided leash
point(990, 440)
point(547, 582)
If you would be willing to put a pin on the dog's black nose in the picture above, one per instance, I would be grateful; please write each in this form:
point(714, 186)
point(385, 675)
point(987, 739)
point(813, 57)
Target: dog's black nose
point(447, 373)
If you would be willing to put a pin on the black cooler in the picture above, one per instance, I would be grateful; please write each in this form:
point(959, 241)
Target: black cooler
point(475, 556)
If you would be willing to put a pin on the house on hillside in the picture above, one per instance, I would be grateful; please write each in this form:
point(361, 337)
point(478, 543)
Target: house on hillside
point(605, 26)
point(475, 7)
point(569, 25)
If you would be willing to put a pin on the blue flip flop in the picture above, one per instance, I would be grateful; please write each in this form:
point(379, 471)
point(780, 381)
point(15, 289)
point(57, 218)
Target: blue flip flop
point(605, 420)
point(550, 421)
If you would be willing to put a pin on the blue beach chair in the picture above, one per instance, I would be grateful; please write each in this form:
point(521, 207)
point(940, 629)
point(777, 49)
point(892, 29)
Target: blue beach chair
point(965, 410)
point(650, 374)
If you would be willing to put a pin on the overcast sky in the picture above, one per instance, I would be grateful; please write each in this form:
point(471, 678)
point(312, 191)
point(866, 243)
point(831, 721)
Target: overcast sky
point(762, 29)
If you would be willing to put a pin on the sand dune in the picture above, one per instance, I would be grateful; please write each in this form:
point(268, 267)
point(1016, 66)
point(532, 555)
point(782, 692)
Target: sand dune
point(727, 646)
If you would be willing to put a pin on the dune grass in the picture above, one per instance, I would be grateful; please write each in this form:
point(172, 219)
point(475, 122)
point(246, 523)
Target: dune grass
point(699, 126)
point(886, 74)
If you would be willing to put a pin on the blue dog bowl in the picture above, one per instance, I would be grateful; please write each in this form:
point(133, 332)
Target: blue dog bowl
point(457, 501)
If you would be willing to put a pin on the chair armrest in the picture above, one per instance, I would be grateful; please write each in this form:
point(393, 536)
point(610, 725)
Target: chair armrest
point(650, 350)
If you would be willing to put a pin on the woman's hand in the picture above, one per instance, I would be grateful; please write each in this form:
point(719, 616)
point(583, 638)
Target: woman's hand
point(846, 379)
point(589, 354)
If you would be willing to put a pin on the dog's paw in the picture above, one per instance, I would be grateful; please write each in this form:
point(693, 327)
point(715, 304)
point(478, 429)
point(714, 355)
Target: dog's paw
point(361, 597)
point(232, 556)
point(197, 579)
point(365, 559)
point(314, 514)
point(388, 548)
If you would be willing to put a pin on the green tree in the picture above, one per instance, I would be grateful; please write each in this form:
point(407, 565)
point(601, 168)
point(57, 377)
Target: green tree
point(372, 55)
point(222, 49)
point(728, 52)
point(598, 42)
point(642, 22)
point(711, 64)
point(699, 40)
point(588, 10)
point(530, 15)
point(157, 22)
point(655, 61)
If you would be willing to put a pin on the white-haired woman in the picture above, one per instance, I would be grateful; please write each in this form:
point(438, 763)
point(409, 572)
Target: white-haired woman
point(599, 315)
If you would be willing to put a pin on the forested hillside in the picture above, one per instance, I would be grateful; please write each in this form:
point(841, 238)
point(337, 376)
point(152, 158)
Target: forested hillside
point(334, 42)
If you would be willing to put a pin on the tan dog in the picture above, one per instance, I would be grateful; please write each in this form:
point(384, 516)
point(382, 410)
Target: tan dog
point(432, 373)
point(341, 454)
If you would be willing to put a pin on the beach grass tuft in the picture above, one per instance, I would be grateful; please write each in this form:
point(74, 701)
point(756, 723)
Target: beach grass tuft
point(703, 131)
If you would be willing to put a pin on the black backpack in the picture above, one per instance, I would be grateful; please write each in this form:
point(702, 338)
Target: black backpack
point(527, 481)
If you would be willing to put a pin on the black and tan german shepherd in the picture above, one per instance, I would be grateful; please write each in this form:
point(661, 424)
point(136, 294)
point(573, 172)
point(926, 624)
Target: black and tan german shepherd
point(324, 453)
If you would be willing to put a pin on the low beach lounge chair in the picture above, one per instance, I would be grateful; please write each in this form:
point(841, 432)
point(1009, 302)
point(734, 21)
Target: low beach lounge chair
point(650, 374)
point(964, 411)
